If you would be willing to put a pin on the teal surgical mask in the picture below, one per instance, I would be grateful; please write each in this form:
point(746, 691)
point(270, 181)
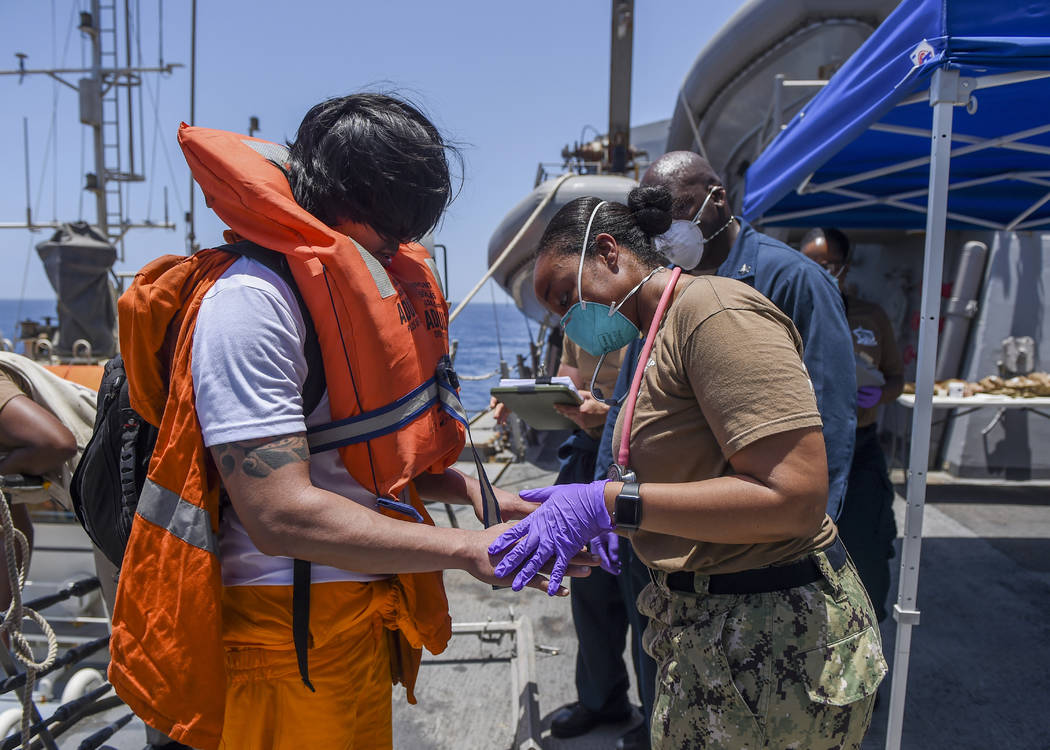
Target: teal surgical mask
point(598, 328)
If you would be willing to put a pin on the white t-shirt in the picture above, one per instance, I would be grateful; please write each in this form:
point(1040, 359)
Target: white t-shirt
point(248, 374)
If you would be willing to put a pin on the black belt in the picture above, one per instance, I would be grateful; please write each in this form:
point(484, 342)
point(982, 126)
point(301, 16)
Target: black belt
point(763, 580)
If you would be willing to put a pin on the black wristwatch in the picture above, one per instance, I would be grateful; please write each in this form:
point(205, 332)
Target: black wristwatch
point(627, 511)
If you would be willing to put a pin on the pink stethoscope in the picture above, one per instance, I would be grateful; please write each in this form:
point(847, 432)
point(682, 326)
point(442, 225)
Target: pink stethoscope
point(619, 471)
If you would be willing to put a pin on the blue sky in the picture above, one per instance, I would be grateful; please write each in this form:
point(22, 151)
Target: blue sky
point(511, 82)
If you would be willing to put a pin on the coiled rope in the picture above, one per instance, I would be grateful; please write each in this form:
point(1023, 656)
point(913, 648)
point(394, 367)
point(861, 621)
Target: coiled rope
point(15, 542)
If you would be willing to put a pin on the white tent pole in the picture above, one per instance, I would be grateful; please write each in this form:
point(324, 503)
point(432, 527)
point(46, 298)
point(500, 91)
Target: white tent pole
point(990, 81)
point(1030, 148)
point(944, 93)
point(976, 144)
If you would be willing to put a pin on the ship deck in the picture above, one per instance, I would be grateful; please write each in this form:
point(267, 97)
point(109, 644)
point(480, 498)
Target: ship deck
point(979, 668)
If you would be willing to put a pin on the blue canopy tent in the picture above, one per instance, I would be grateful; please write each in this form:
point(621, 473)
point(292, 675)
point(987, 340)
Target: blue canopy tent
point(874, 149)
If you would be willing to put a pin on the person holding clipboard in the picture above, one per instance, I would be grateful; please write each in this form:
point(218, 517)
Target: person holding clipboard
point(577, 364)
point(759, 624)
point(599, 607)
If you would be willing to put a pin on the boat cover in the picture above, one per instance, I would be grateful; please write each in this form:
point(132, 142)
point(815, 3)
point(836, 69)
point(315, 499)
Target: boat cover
point(78, 260)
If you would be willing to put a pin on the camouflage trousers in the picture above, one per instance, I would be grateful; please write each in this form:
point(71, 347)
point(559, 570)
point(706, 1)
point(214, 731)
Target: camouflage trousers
point(791, 669)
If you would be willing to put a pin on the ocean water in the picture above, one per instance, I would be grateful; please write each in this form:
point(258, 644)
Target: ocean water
point(480, 329)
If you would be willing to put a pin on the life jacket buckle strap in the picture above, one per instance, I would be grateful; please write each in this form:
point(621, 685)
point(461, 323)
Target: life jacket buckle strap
point(398, 507)
point(446, 373)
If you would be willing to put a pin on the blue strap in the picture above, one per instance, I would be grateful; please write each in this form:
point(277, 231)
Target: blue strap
point(399, 507)
point(376, 423)
point(448, 385)
point(441, 390)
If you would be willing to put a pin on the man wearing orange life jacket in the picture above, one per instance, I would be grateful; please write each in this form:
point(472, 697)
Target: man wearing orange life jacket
point(202, 646)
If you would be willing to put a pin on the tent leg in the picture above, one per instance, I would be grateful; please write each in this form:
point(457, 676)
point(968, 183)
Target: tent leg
point(943, 97)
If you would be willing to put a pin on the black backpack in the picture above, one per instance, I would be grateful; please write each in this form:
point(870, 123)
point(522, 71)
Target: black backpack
point(109, 478)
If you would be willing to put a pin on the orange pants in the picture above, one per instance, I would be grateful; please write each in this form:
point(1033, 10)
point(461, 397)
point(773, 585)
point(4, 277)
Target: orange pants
point(267, 705)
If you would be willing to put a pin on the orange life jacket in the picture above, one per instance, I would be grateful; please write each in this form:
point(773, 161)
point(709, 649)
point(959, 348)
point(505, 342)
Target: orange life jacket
point(384, 343)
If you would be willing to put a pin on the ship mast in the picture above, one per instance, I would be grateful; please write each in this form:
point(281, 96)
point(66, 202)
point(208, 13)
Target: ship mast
point(100, 110)
point(611, 153)
point(621, 53)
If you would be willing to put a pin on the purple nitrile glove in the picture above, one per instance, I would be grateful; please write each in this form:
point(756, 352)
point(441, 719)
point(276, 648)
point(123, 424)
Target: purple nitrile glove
point(569, 517)
point(868, 396)
point(607, 547)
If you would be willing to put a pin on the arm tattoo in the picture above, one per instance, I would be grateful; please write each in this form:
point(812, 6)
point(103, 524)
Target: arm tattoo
point(261, 457)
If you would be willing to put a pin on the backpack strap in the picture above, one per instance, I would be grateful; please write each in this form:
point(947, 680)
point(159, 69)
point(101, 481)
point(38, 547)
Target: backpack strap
point(313, 390)
point(301, 617)
point(314, 387)
point(129, 490)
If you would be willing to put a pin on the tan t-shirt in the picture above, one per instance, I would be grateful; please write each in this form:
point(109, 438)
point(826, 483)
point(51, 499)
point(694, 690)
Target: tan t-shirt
point(726, 370)
point(873, 340)
point(8, 389)
point(573, 356)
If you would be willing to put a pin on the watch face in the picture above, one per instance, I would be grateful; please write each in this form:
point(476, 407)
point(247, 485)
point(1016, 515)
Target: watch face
point(628, 507)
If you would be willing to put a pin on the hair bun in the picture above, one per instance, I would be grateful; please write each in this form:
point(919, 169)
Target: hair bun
point(651, 208)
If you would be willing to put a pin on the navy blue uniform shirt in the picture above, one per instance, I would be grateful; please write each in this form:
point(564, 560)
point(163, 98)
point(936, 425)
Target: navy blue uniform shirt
point(808, 295)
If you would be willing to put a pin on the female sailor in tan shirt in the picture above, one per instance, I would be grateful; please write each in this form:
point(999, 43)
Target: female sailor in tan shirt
point(763, 634)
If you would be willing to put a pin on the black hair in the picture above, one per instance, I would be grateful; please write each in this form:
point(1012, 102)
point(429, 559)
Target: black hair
point(373, 159)
point(647, 214)
point(835, 239)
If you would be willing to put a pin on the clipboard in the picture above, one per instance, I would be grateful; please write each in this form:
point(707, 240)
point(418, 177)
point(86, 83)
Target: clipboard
point(534, 403)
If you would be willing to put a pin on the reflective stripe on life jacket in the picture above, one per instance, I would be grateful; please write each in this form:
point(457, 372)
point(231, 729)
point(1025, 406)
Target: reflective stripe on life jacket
point(438, 391)
point(190, 523)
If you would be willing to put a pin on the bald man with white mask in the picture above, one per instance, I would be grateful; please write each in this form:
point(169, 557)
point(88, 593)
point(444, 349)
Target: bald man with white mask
point(799, 287)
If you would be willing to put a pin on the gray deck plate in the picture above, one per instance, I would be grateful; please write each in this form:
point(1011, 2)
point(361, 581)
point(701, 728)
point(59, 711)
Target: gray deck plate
point(980, 674)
